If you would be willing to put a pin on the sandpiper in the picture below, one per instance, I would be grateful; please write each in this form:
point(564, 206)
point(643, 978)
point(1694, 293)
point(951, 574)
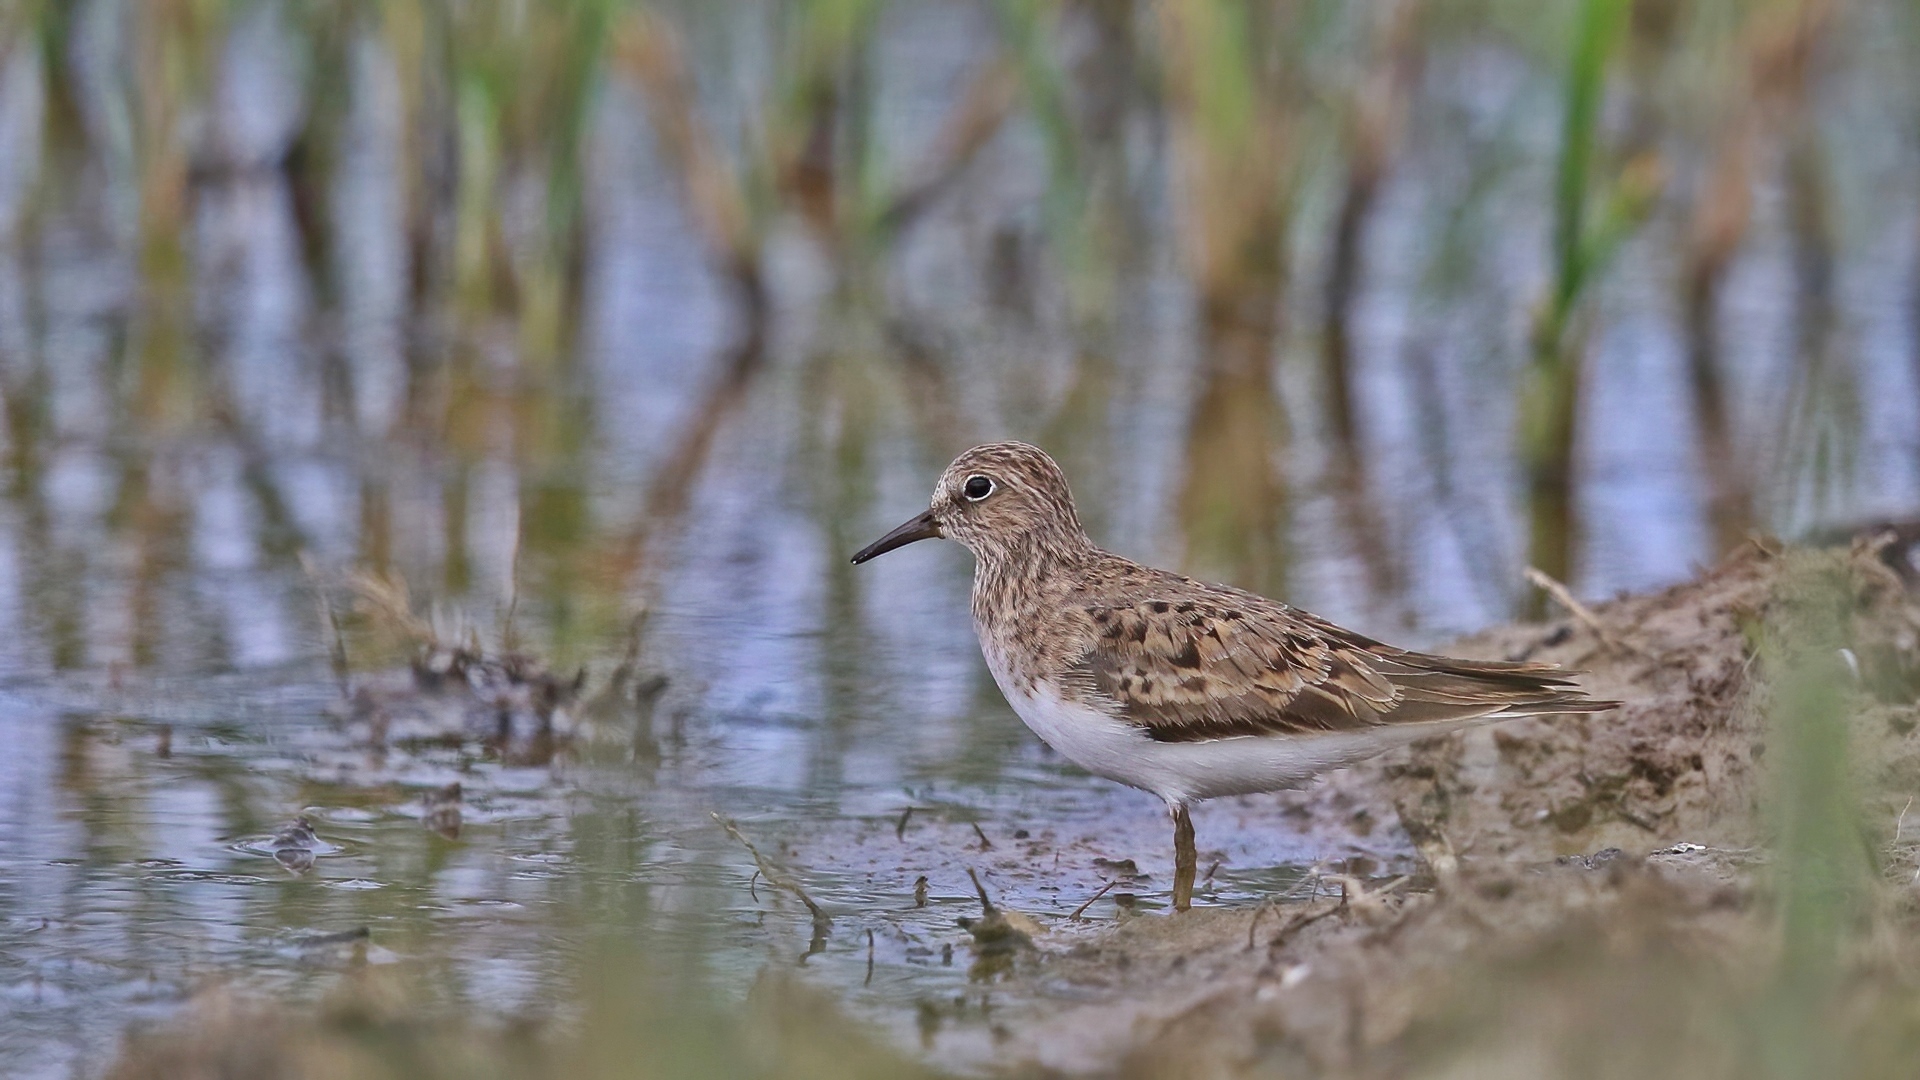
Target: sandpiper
point(1179, 687)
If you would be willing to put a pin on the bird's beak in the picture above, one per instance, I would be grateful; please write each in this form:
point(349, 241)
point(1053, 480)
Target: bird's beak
point(922, 527)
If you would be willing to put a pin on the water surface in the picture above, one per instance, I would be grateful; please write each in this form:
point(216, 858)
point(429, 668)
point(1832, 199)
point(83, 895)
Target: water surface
point(176, 445)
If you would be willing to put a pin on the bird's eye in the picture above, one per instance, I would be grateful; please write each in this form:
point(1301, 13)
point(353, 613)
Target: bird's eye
point(978, 487)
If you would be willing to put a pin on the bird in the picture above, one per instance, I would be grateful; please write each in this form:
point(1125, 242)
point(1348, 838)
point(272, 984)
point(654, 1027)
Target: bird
point(1178, 687)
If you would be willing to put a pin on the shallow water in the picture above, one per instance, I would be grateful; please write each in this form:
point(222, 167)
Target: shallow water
point(165, 709)
point(138, 843)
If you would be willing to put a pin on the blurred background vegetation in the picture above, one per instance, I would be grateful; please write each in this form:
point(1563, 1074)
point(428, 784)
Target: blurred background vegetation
point(1323, 299)
point(576, 308)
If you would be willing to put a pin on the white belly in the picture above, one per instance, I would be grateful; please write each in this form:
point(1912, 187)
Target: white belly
point(1183, 772)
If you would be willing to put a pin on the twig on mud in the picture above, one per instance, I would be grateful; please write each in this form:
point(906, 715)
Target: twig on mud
point(1077, 912)
point(1302, 921)
point(1354, 897)
point(773, 875)
point(1311, 883)
point(900, 827)
point(1565, 598)
point(985, 844)
point(1899, 826)
point(868, 981)
point(986, 905)
point(995, 932)
point(1254, 924)
point(1355, 894)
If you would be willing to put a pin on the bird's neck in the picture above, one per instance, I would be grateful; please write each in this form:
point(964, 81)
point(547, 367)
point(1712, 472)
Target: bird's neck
point(1028, 574)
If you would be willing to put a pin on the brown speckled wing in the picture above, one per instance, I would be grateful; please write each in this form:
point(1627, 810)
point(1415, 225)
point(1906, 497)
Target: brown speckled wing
point(1208, 662)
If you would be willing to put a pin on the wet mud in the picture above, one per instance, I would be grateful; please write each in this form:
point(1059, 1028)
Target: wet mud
point(1596, 894)
point(1590, 895)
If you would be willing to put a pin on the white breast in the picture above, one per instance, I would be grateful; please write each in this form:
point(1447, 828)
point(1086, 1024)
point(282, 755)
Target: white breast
point(1089, 737)
point(1183, 772)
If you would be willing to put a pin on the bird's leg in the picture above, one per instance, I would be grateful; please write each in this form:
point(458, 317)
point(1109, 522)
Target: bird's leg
point(1185, 859)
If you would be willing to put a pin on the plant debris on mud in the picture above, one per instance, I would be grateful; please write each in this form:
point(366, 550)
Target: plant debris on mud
point(455, 691)
point(1613, 881)
point(1720, 878)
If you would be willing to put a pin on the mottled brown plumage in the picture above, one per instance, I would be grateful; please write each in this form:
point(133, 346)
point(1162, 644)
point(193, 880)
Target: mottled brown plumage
point(1190, 661)
point(1181, 687)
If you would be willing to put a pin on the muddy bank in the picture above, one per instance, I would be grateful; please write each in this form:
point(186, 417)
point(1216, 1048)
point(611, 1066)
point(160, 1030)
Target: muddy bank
point(1601, 897)
point(1595, 896)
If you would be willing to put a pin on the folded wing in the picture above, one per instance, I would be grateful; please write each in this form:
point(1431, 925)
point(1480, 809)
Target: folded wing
point(1223, 663)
